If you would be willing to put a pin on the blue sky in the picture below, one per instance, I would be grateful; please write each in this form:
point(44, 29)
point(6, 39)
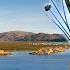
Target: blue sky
point(25, 15)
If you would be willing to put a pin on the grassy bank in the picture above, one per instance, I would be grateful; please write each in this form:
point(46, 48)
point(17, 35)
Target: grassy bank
point(25, 46)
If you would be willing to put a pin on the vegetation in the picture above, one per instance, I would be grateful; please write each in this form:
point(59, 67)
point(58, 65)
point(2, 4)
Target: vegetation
point(24, 46)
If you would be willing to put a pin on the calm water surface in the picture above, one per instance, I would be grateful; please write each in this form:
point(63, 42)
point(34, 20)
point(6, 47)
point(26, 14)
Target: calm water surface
point(24, 61)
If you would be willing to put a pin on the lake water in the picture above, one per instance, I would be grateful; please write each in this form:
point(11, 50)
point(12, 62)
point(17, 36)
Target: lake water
point(24, 61)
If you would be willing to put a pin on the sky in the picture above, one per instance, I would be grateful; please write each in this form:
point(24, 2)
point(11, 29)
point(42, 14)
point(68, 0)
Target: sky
point(26, 15)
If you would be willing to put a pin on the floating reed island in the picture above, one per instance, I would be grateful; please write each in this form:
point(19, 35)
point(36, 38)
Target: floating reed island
point(49, 50)
point(4, 53)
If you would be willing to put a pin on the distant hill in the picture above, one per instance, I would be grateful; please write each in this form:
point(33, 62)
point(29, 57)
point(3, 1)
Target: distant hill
point(29, 36)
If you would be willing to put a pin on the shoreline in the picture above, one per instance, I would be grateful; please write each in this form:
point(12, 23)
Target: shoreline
point(37, 48)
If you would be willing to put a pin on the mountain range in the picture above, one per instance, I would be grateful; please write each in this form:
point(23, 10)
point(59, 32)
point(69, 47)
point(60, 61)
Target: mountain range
point(29, 36)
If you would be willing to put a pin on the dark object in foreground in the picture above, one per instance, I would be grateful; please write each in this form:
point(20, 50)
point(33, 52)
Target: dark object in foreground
point(47, 8)
point(68, 4)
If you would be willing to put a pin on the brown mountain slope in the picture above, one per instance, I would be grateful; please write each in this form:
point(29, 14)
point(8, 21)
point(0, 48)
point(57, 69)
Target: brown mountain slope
point(29, 36)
